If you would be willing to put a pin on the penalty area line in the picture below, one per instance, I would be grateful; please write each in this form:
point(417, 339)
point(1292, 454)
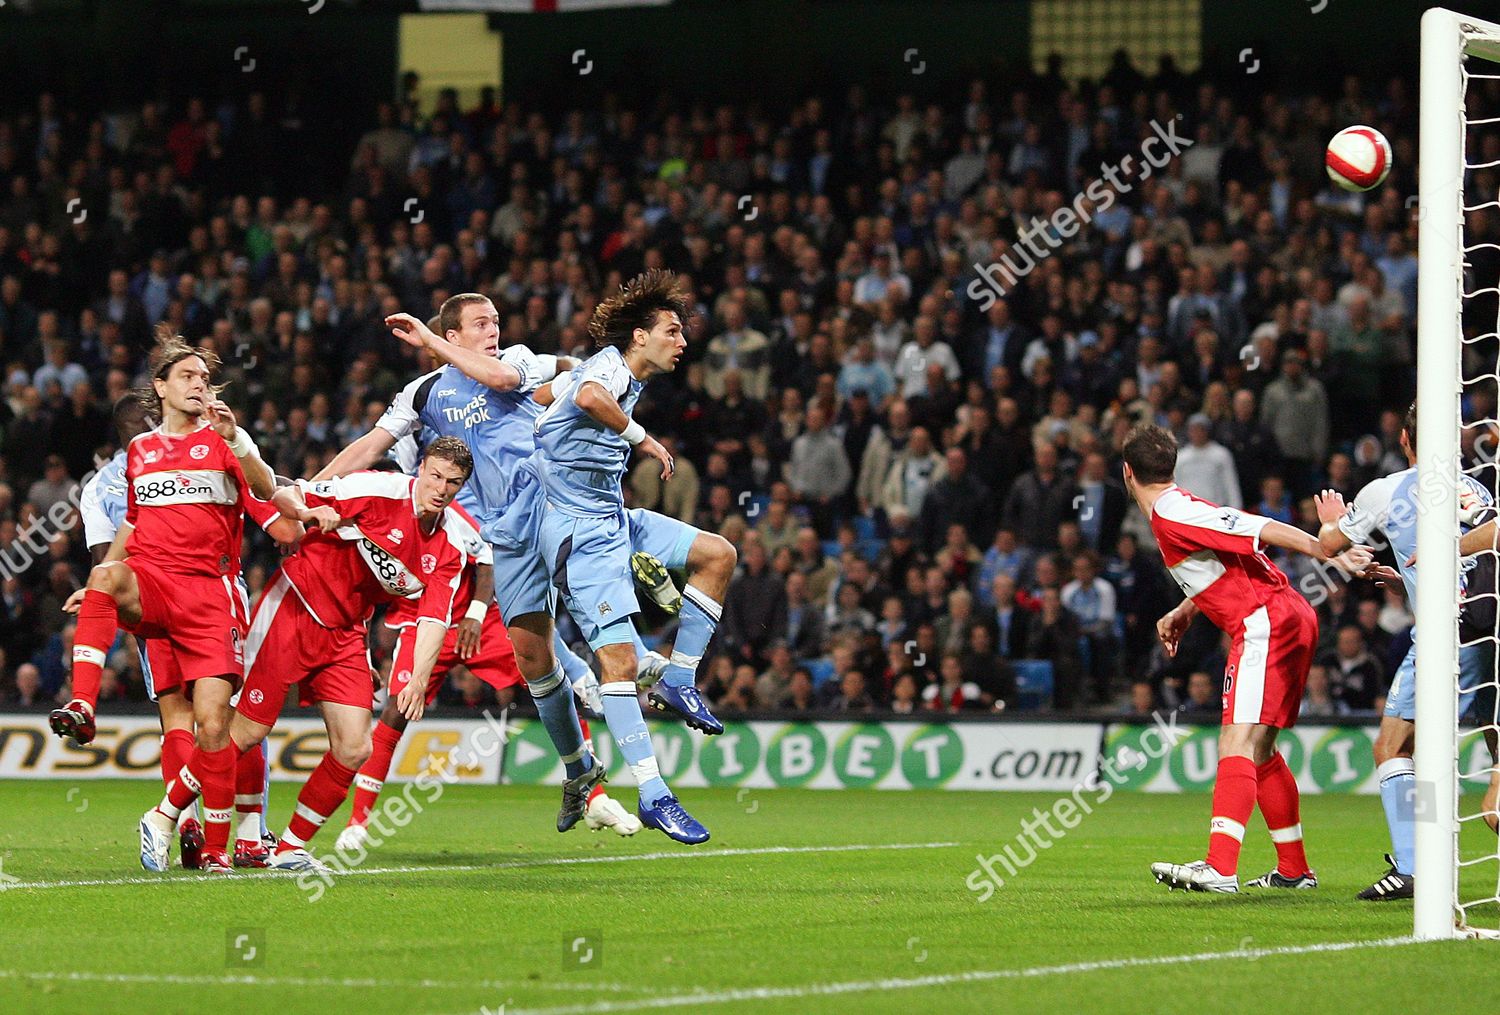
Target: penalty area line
point(693, 1000)
point(562, 861)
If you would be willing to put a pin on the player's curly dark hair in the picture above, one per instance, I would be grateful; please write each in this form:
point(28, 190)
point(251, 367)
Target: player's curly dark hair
point(170, 350)
point(636, 306)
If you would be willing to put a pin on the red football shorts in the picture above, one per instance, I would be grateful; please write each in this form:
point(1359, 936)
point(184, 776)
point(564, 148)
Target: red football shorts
point(200, 619)
point(1268, 663)
point(287, 646)
point(494, 661)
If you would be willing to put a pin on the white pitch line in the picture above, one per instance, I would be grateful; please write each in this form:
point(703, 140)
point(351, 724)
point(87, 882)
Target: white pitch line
point(693, 1000)
point(357, 983)
point(565, 861)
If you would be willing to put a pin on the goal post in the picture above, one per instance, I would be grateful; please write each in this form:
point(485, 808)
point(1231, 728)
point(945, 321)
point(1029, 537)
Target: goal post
point(1449, 40)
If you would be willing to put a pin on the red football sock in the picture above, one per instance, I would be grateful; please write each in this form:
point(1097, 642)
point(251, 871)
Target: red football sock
point(372, 774)
point(218, 796)
point(321, 796)
point(98, 621)
point(249, 792)
point(1234, 799)
point(176, 748)
point(1276, 793)
point(184, 787)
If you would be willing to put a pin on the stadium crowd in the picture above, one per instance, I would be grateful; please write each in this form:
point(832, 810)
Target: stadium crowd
point(918, 465)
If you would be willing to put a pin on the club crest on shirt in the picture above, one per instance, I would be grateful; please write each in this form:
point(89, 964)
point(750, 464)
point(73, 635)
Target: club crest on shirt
point(198, 452)
point(429, 563)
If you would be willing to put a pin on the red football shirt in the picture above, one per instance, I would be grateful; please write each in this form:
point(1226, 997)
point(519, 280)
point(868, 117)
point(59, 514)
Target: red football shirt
point(379, 554)
point(463, 531)
point(185, 497)
point(1213, 553)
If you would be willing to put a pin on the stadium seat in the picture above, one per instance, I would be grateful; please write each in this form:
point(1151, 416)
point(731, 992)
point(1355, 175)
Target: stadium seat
point(821, 670)
point(1033, 684)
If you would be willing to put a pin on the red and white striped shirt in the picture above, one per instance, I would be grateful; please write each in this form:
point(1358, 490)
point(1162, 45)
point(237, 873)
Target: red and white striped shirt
point(379, 554)
point(185, 498)
point(1213, 554)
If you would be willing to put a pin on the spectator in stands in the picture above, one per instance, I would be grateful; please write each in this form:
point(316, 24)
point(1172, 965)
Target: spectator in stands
point(1295, 410)
point(55, 486)
point(1318, 701)
point(804, 618)
point(1203, 703)
point(1205, 468)
point(1053, 635)
point(957, 498)
point(740, 348)
point(1355, 676)
point(819, 472)
point(754, 607)
point(1039, 501)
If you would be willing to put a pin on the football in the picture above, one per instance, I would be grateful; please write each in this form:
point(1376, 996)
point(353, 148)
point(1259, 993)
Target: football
point(1358, 158)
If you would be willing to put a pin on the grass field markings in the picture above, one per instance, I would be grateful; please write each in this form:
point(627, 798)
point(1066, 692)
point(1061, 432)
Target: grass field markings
point(561, 861)
point(950, 979)
point(250, 980)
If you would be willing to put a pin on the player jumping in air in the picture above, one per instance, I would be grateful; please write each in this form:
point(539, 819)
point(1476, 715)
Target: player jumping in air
point(379, 536)
point(169, 576)
point(492, 396)
point(584, 536)
point(483, 397)
point(1390, 505)
point(1214, 555)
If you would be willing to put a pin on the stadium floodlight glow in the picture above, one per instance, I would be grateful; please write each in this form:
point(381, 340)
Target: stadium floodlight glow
point(1449, 42)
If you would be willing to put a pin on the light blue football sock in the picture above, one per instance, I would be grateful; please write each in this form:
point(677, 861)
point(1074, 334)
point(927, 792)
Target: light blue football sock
point(554, 702)
point(1398, 786)
point(695, 629)
point(622, 712)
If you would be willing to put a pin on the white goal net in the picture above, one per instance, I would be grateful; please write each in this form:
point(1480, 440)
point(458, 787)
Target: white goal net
point(1458, 317)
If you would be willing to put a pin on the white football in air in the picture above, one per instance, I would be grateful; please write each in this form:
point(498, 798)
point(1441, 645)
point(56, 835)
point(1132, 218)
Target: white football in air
point(1358, 158)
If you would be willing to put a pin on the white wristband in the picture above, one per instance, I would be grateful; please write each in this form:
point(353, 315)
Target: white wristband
point(242, 445)
point(549, 366)
point(477, 611)
point(633, 433)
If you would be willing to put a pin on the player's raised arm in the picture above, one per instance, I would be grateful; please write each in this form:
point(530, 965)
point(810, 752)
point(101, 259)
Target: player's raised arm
point(258, 475)
point(594, 399)
point(488, 370)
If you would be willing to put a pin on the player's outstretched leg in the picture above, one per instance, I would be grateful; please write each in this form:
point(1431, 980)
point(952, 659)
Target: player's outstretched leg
point(1276, 795)
point(656, 807)
point(710, 564)
point(327, 787)
point(534, 638)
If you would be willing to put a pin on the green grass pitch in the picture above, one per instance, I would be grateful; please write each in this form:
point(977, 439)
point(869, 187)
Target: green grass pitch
point(478, 905)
